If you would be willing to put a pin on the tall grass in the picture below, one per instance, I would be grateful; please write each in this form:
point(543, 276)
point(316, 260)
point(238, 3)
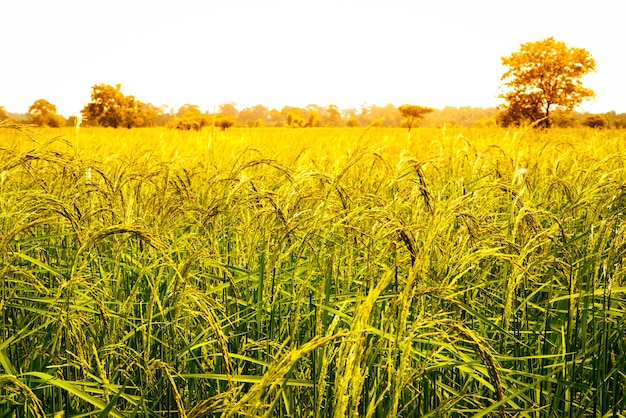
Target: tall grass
point(312, 273)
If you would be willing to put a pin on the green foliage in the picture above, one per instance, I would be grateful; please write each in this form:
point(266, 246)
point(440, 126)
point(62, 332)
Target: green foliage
point(542, 76)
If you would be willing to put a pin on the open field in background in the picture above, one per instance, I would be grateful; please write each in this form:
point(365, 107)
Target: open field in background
point(313, 273)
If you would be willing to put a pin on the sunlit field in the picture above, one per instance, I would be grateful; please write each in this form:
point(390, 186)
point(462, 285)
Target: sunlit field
point(312, 273)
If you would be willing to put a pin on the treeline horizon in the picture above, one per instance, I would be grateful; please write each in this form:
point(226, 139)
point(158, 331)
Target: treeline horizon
point(311, 115)
point(189, 116)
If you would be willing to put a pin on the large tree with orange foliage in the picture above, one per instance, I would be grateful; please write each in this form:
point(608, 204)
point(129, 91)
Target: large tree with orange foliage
point(543, 76)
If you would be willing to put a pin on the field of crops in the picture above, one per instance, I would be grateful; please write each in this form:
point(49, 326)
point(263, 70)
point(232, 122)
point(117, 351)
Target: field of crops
point(312, 273)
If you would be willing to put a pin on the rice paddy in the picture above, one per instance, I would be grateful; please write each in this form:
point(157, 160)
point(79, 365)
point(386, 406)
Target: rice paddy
point(312, 273)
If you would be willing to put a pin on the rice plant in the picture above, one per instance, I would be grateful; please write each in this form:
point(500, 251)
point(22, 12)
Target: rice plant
point(312, 273)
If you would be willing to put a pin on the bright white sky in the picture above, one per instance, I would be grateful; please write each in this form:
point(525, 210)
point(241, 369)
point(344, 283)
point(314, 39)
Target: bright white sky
point(292, 52)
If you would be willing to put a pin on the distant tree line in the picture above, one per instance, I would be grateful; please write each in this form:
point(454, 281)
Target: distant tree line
point(109, 107)
point(541, 87)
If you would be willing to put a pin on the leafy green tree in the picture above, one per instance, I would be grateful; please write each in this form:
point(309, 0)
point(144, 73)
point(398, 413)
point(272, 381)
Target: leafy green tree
point(543, 76)
point(413, 113)
point(44, 113)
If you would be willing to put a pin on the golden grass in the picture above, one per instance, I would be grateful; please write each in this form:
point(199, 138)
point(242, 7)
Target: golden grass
point(312, 272)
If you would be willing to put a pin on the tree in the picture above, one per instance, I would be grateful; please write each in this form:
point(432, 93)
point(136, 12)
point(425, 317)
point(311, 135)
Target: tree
point(253, 116)
point(189, 117)
point(312, 115)
point(229, 109)
point(465, 116)
point(595, 121)
point(413, 113)
point(225, 122)
point(276, 118)
point(106, 106)
point(110, 107)
point(524, 108)
point(312, 119)
point(148, 115)
point(543, 76)
point(563, 118)
point(130, 112)
point(332, 116)
point(293, 116)
point(351, 116)
point(44, 113)
point(615, 120)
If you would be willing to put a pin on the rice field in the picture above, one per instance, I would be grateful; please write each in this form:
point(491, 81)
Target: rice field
point(312, 273)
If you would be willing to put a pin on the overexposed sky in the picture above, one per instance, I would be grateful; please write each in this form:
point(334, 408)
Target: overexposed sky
point(291, 52)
